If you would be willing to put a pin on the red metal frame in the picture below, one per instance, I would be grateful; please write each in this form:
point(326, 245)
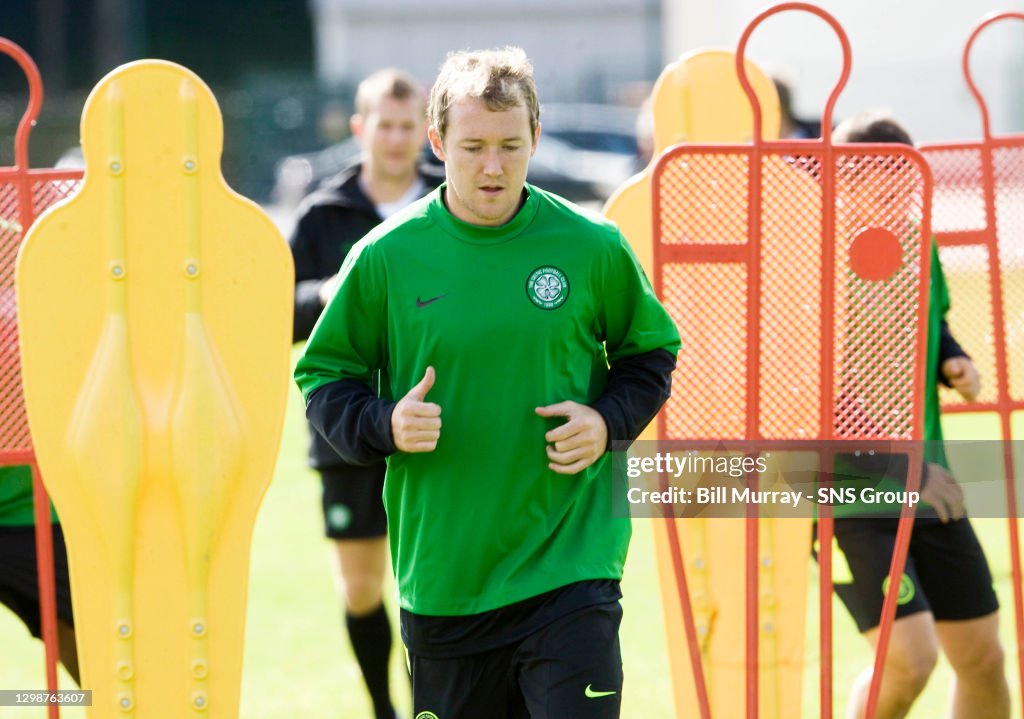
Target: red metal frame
point(19, 451)
point(748, 255)
point(987, 237)
point(689, 623)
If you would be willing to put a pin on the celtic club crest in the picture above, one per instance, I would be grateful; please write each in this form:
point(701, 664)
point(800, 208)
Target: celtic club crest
point(547, 287)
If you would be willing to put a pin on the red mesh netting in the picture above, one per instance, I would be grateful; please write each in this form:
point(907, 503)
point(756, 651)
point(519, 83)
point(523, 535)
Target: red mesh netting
point(784, 307)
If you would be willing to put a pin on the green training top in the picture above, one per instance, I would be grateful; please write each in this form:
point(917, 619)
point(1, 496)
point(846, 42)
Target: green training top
point(511, 318)
point(16, 505)
point(938, 306)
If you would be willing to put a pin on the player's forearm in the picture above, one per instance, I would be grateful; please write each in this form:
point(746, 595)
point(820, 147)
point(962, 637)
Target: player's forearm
point(637, 388)
point(948, 348)
point(307, 308)
point(353, 420)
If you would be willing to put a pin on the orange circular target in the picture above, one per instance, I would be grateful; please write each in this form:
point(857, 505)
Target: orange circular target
point(875, 254)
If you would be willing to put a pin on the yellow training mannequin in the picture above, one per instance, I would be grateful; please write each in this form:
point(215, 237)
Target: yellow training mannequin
point(155, 314)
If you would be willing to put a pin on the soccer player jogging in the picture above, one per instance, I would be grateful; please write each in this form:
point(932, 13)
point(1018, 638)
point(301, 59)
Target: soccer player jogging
point(390, 124)
point(946, 596)
point(515, 336)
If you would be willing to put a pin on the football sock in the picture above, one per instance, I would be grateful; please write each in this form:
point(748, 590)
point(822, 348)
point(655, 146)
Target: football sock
point(371, 643)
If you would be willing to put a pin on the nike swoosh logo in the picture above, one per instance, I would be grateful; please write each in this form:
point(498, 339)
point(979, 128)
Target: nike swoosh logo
point(424, 303)
point(591, 694)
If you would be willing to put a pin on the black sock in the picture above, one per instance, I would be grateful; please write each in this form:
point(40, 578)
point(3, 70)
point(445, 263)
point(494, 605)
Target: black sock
point(371, 643)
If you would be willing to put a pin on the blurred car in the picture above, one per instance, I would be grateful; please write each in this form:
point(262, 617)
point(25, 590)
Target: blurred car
point(604, 137)
point(556, 166)
point(593, 127)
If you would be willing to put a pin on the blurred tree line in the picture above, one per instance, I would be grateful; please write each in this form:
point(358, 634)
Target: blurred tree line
point(256, 55)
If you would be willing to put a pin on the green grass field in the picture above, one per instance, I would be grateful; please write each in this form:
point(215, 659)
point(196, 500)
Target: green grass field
point(297, 662)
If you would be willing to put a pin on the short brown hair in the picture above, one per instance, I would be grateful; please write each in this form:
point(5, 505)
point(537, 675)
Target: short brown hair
point(501, 78)
point(390, 82)
point(871, 126)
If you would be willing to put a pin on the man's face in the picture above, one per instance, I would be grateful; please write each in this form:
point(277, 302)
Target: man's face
point(391, 135)
point(485, 155)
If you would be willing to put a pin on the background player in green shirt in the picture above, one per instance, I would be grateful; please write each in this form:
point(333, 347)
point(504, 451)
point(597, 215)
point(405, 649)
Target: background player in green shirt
point(946, 596)
point(528, 325)
point(19, 578)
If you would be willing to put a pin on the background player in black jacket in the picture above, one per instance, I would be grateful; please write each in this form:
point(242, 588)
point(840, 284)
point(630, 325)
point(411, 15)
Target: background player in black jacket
point(390, 123)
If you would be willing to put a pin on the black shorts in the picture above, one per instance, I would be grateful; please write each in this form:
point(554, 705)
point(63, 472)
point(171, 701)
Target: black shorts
point(353, 501)
point(571, 667)
point(946, 572)
point(19, 582)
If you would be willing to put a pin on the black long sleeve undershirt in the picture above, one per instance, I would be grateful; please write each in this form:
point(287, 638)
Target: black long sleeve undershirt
point(948, 348)
point(637, 388)
point(353, 420)
point(357, 423)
